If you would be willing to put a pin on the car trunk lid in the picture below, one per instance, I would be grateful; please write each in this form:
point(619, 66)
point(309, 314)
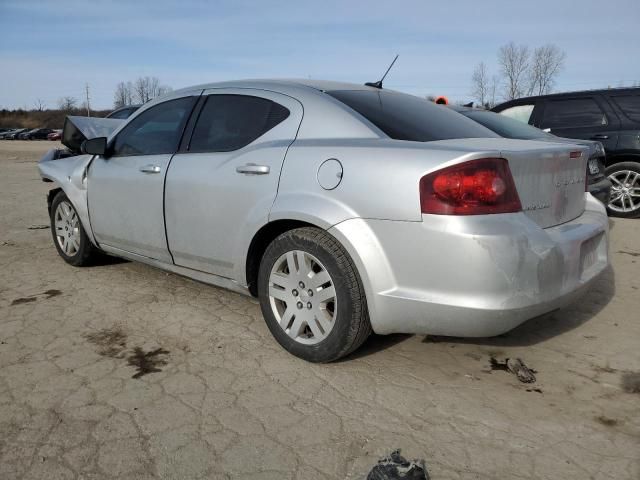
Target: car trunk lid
point(549, 177)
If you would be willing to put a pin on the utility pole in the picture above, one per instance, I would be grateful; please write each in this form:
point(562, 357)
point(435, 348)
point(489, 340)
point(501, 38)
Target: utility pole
point(86, 89)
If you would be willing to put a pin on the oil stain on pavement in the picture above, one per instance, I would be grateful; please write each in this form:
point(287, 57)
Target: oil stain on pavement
point(147, 362)
point(112, 342)
point(32, 298)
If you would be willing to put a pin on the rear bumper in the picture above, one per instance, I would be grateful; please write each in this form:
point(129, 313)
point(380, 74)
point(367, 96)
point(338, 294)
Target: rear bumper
point(473, 276)
point(601, 190)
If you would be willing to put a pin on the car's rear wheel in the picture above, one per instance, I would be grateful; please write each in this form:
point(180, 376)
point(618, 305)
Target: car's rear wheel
point(625, 190)
point(69, 237)
point(311, 296)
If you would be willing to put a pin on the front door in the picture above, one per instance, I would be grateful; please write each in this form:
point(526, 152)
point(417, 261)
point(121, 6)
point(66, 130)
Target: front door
point(223, 182)
point(125, 187)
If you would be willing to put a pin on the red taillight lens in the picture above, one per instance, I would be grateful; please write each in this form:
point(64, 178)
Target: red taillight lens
point(477, 187)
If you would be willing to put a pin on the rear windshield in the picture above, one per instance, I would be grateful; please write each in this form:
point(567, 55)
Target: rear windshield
point(505, 126)
point(406, 117)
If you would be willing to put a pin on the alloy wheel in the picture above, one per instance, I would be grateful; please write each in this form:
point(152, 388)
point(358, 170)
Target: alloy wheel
point(302, 297)
point(625, 191)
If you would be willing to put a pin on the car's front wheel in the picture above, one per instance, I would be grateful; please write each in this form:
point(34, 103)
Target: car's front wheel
point(69, 236)
point(312, 297)
point(625, 189)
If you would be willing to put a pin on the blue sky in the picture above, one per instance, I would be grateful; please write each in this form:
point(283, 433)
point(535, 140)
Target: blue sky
point(50, 49)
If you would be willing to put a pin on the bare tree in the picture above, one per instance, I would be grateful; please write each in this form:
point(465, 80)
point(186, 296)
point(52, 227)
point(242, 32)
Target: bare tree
point(164, 89)
point(123, 95)
point(141, 90)
point(147, 88)
point(480, 79)
point(67, 104)
point(39, 104)
point(547, 62)
point(514, 64)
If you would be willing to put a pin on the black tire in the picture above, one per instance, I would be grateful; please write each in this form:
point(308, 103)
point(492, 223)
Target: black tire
point(615, 168)
point(351, 326)
point(87, 252)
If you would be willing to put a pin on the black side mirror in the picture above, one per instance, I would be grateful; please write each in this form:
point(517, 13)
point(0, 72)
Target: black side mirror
point(94, 146)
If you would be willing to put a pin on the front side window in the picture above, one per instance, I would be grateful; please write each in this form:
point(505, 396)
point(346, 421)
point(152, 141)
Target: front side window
point(574, 112)
point(406, 117)
point(630, 105)
point(155, 131)
point(230, 122)
point(522, 113)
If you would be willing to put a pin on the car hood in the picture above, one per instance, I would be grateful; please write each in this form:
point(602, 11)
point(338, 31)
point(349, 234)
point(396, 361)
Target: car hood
point(78, 129)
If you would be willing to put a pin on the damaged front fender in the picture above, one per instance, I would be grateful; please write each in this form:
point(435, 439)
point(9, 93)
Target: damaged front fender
point(67, 169)
point(69, 174)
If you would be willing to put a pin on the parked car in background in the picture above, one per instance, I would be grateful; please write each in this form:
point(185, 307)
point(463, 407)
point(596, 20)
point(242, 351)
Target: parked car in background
point(35, 134)
point(23, 135)
point(610, 116)
point(123, 113)
point(55, 135)
point(375, 210)
point(13, 135)
point(597, 182)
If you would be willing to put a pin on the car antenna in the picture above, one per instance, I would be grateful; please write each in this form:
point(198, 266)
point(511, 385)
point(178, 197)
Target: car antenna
point(378, 84)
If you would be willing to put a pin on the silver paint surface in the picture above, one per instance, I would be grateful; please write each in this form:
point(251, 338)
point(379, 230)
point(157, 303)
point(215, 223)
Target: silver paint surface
point(450, 275)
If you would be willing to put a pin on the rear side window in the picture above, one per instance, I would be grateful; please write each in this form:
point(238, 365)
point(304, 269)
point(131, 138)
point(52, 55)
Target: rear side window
point(505, 126)
point(230, 122)
point(574, 112)
point(630, 105)
point(156, 130)
point(522, 113)
point(406, 117)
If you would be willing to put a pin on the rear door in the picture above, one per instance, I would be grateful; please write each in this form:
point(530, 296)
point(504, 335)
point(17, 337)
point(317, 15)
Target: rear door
point(221, 185)
point(125, 189)
point(585, 117)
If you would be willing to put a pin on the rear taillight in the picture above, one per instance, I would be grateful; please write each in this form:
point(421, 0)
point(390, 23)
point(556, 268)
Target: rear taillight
point(476, 187)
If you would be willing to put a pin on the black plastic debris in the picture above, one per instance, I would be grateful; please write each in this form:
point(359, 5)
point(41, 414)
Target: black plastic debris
point(395, 466)
point(515, 366)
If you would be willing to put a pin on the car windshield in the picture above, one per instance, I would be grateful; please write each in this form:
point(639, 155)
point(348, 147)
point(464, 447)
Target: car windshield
point(505, 126)
point(406, 117)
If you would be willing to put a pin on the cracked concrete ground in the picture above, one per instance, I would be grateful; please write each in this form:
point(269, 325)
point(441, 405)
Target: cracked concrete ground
point(124, 371)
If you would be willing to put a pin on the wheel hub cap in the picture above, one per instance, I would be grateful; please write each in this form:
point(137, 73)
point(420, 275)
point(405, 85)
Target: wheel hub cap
point(302, 297)
point(67, 228)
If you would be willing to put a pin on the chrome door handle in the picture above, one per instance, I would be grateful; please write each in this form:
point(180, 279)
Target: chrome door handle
point(600, 137)
point(150, 169)
point(253, 169)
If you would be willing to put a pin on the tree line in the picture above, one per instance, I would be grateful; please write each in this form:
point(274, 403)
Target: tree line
point(522, 72)
point(139, 91)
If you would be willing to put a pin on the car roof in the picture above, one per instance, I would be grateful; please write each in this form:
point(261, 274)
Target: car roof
point(281, 84)
point(577, 93)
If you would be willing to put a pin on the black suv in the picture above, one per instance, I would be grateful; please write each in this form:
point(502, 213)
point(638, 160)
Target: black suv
point(610, 116)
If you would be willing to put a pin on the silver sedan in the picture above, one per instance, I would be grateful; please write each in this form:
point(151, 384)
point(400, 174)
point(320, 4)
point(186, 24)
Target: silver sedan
point(344, 208)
